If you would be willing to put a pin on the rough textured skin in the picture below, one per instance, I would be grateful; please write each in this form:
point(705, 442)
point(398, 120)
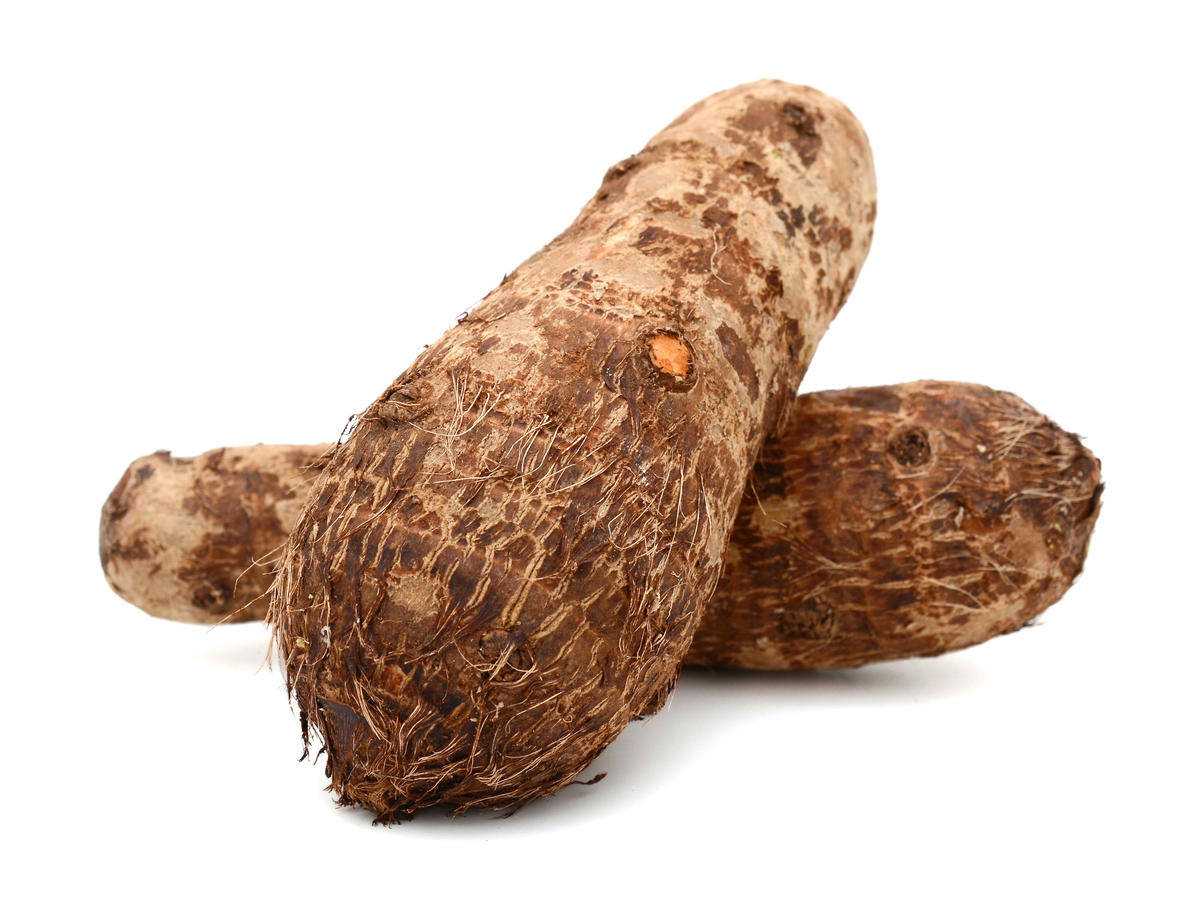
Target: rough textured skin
point(803, 585)
point(900, 521)
point(508, 557)
point(194, 539)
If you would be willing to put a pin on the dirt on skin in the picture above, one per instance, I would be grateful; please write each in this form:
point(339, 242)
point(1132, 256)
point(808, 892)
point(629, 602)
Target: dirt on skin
point(507, 559)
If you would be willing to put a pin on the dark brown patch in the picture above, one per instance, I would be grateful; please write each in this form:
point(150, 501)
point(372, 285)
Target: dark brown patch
point(774, 281)
point(769, 479)
point(1081, 468)
point(808, 140)
point(570, 278)
point(790, 123)
point(880, 399)
point(127, 551)
point(758, 180)
point(621, 169)
point(792, 218)
point(342, 725)
point(808, 619)
point(220, 569)
point(901, 600)
point(653, 241)
point(1093, 504)
point(735, 351)
point(716, 217)
point(829, 231)
point(662, 205)
point(116, 507)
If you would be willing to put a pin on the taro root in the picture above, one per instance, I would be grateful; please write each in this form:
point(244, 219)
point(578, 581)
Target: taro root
point(506, 560)
point(803, 586)
point(195, 539)
point(900, 521)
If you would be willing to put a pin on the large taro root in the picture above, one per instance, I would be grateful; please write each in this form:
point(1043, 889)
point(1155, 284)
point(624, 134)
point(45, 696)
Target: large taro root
point(883, 523)
point(507, 559)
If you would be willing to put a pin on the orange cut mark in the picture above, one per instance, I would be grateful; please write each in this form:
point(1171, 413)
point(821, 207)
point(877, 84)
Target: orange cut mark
point(670, 355)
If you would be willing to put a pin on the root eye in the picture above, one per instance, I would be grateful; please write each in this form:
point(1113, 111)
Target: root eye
point(910, 447)
point(1081, 468)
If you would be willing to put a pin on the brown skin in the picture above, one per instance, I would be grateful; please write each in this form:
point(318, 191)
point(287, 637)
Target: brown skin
point(964, 543)
point(507, 559)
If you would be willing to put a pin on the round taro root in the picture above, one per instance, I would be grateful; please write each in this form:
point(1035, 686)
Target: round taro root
point(193, 539)
point(989, 507)
point(507, 559)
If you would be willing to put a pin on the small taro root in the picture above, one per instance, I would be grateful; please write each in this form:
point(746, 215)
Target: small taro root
point(988, 508)
point(192, 539)
point(507, 559)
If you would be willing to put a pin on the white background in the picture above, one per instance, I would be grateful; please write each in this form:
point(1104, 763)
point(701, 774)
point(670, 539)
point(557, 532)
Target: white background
point(224, 223)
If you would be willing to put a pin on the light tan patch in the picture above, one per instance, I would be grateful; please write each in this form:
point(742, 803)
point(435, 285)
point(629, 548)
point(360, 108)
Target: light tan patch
point(417, 594)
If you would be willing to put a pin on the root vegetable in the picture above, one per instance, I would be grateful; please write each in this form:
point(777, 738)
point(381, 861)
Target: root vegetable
point(883, 523)
point(900, 521)
point(507, 559)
